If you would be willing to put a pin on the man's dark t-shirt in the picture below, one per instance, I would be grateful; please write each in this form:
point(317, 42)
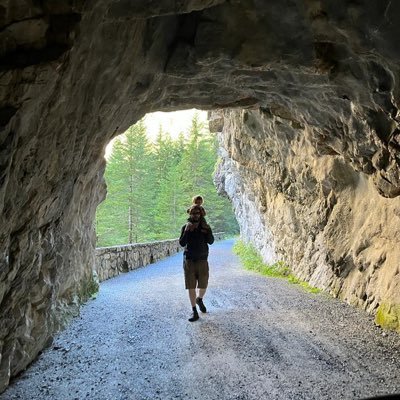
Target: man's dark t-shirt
point(196, 243)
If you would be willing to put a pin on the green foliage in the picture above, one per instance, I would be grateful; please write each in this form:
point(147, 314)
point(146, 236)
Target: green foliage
point(150, 186)
point(388, 316)
point(251, 260)
point(125, 215)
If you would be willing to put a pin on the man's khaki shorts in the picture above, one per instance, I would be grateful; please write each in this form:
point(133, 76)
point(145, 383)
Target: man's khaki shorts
point(196, 274)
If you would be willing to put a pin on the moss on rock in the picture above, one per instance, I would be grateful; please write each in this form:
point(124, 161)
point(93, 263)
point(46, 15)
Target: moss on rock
point(89, 288)
point(388, 316)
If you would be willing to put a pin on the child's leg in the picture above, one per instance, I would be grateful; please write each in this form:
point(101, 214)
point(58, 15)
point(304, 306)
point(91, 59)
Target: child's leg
point(203, 223)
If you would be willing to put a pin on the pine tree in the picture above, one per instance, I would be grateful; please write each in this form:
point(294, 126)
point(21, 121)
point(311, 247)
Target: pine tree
point(196, 169)
point(170, 195)
point(128, 203)
point(137, 156)
point(111, 218)
point(169, 208)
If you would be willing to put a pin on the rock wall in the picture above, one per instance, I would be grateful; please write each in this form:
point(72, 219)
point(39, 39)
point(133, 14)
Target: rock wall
point(298, 200)
point(112, 261)
point(74, 74)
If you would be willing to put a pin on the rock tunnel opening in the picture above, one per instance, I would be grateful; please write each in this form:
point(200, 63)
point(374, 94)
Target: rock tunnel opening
point(153, 171)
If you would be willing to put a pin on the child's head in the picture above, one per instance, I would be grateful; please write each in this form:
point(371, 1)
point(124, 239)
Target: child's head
point(197, 200)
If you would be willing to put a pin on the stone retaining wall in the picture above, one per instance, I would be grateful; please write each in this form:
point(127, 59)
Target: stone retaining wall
point(112, 261)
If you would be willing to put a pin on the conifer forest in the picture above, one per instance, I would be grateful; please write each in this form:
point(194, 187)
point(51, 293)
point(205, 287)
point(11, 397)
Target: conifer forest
point(150, 185)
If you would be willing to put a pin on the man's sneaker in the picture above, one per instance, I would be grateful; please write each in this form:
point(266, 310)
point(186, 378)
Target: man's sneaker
point(194, 317)
point(201, 305)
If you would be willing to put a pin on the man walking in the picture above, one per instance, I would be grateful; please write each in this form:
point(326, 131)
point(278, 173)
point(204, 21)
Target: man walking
point(196, 237)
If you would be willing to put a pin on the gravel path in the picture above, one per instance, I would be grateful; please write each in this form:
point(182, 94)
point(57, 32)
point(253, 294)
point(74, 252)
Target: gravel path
point(262, 338)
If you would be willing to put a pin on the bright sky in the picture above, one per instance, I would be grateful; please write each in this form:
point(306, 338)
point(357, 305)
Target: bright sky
point(172, 122)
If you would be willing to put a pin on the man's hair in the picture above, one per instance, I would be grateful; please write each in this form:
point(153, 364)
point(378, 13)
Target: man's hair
point(195, 207)
point(197, 198)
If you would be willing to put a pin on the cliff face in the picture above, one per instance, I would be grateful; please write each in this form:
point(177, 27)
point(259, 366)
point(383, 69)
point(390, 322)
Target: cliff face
point(320, 214)
point(321, 78)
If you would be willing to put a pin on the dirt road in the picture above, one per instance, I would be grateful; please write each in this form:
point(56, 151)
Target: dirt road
point(262, 338)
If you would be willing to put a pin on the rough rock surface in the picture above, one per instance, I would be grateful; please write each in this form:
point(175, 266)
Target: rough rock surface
point(320, 215)
point(76, 73)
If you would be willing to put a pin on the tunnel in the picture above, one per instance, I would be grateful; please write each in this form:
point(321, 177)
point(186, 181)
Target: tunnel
point(303, 95)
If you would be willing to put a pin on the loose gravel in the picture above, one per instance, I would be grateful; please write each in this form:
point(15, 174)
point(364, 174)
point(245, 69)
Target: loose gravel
point(262, 338)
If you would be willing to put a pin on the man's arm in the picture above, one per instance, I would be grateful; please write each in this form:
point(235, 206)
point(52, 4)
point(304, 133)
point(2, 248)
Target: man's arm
point(183, 239)
point(209, 236)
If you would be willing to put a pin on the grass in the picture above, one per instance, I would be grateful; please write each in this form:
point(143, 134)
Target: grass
point(251, 260)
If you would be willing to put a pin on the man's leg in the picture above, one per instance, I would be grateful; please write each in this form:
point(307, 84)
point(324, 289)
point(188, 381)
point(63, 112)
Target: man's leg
point(203, 283)
point(192, 297)
point(199, 300)
point(190, 284)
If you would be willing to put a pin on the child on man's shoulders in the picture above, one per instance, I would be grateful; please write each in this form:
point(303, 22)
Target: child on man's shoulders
point(198, 201)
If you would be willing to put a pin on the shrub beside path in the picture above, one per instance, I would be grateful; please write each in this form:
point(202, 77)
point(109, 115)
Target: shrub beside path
point(262, 338)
